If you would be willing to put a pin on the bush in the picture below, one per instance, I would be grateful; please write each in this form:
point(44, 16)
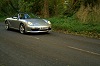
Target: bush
point(89, 14)
point(72, 25)
point(2, 18)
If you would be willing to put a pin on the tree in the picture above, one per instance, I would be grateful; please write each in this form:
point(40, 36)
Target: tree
point(72, 7)
point(46, 8)
point(89, 11)
point(90, 2)
point(8, 7)
point(56, 7)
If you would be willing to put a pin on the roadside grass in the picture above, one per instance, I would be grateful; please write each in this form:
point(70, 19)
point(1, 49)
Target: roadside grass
point(73, 26)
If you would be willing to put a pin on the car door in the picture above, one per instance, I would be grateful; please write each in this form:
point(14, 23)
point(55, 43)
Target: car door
point(15, 23)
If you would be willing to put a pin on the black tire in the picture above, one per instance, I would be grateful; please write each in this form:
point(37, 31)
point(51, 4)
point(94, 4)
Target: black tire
point(22, 29)
point(7, 25)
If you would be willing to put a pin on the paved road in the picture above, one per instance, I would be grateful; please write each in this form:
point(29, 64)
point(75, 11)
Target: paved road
point(54, 49)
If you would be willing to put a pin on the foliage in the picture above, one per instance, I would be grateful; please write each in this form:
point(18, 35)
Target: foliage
point(71, 25)
point(89, 13)
point(72, 7)
point(44, 8)
point(8, 7)
point(90, 2)
point(49, 8)
point(2, 18)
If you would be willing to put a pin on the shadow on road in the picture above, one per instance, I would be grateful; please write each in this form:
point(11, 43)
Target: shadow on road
point(17, 31)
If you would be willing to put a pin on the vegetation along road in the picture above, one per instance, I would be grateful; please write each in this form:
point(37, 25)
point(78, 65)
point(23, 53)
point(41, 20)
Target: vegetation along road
point(54, 49)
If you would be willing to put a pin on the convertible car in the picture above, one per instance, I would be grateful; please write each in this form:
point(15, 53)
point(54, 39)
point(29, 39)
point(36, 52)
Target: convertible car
point(26, 23)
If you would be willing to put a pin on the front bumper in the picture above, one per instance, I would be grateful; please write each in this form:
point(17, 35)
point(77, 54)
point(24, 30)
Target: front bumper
point(38, 29)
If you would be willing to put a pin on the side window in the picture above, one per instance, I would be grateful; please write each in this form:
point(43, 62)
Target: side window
point(21, 16)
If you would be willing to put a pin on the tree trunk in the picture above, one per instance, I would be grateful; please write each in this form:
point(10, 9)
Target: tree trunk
point(46, 9)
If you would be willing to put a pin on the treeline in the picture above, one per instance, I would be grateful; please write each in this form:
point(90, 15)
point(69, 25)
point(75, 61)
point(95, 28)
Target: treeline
point(8, 7)
point(45, 8)
point(84, 10)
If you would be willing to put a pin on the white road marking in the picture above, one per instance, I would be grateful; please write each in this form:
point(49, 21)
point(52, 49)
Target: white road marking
point(36, 38)
point(74, 48)
point(83, 50)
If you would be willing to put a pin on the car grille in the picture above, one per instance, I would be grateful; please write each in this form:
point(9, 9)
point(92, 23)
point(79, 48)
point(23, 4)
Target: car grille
point(41, 29)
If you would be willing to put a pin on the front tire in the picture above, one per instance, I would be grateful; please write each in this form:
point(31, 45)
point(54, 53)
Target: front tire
point(22, 29)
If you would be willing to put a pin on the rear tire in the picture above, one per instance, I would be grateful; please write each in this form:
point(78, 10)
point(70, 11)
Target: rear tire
point(22, 29)
point(7, 25)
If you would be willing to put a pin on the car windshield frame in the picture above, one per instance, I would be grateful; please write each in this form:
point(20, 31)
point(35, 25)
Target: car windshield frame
point(27, 16)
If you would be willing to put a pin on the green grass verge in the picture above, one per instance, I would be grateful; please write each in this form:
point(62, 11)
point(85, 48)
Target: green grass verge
point(73, 26)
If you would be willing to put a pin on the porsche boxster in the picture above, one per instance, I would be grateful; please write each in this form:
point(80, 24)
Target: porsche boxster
point(26, 23)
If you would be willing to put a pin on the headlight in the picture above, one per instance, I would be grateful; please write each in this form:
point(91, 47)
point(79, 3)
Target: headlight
point(30, 23)
point(49, 22)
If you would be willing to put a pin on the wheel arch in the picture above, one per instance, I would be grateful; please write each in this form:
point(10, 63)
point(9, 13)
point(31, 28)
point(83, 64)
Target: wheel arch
point(20, 24)
point(6, 21)
point(7, 25)
point(23, 26)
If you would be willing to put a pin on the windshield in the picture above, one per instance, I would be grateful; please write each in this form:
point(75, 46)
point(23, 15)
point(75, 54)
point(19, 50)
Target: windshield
point(27, 16)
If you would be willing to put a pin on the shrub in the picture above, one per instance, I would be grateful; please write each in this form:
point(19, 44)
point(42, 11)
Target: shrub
point(72, 25)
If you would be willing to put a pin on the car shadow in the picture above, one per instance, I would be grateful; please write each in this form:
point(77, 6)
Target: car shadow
point(44, 33)
point(17, 31)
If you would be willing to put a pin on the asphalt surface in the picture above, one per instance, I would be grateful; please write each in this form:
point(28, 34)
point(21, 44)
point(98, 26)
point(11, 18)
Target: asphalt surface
point(54, 49)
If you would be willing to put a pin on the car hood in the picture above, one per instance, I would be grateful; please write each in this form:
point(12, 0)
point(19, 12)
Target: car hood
point(37, 22)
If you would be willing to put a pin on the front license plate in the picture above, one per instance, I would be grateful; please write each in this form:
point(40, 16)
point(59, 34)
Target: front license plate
point(43, 28)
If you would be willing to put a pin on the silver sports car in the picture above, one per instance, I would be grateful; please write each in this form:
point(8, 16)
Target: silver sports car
point(24, 23)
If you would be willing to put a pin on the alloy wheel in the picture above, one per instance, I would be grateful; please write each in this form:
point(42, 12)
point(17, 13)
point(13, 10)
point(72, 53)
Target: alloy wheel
point(22, 29)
